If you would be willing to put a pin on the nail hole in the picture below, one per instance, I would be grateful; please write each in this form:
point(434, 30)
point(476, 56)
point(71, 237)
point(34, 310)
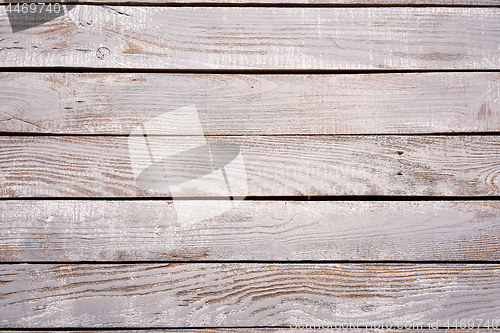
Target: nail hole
point(102, 52)
point(400, 173)
point(400, 152)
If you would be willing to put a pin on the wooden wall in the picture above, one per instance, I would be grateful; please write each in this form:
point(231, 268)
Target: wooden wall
point(370, 134)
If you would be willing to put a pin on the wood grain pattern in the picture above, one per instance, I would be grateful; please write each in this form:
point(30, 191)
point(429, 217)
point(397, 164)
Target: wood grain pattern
point(475, 3)
point(274, 166)
point(105, 103)
point(255, 38)
point(263, 230)
point(278, 330)
point(232, 295)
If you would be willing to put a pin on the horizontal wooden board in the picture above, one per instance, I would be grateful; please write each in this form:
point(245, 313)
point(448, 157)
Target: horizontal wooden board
point(258, 38)
point(273, 166)
point(320, 329)
point(107, 103)
point(278, 330)
point(232, 295)
point(281, 2)
point(259, 230)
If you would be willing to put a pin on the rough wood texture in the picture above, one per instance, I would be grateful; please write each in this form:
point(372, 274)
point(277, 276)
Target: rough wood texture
point(253, 104)
point(279, 330)
point(364, 38)
point(475, 3)
point(275, 166)
point(149, 230)
point(231, 295)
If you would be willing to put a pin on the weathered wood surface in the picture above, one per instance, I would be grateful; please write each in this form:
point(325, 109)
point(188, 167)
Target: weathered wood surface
point(363, 38)
point(263, 230)
point(232, 295)
point(282, 330)
point(274, 166)
point(474, 3)
point(109, 103)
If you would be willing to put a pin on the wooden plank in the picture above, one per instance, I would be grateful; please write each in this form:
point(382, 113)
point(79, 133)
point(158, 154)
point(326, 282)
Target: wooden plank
point(96, 166)
point(259, 230)
point(232, 295)
point(475, 3)
point(254, 38)
point(107, 103)
point(283, 330)
point(273, 166)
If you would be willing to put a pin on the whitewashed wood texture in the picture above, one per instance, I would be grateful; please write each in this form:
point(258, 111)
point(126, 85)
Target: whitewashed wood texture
point(107, 103)
point(231, 295)
point(472, 3)
point(280, 330)
point(89, 167)
point(286, 126)
point(68, 230)
point(253, 38)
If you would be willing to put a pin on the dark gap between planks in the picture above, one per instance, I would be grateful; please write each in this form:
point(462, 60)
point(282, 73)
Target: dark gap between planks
point(272, 198)
point(91, 70)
